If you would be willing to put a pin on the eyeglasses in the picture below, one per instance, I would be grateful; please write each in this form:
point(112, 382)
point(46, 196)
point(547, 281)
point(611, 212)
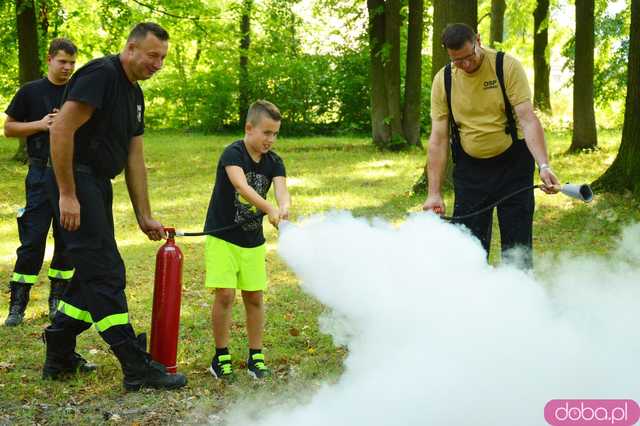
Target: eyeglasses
point(467, 58)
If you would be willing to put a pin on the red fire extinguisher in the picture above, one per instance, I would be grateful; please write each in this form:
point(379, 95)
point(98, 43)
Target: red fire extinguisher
point(165, 319)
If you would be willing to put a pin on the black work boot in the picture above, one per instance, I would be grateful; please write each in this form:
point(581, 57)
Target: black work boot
point(140, 370)
point(58, 287)
point(61, 359)
point(18, 303)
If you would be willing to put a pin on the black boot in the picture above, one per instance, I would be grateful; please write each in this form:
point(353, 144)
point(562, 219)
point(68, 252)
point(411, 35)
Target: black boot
point(140, 370)
point(61, 359)
point(18, 303)
point(58, 287)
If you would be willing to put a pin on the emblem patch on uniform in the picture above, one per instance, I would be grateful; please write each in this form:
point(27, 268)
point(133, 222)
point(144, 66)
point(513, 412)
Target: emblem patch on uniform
point(491, 84)
point(139, 113)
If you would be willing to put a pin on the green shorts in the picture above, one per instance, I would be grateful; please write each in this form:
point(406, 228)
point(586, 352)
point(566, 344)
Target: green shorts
point(232, 266)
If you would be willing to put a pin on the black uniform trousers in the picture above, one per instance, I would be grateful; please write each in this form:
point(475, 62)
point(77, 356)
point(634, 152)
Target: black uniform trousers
point(481, 182)
point(34, 222)
point(96, 293)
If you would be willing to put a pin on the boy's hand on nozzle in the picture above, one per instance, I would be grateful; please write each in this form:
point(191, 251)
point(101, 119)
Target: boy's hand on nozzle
point(274, 216)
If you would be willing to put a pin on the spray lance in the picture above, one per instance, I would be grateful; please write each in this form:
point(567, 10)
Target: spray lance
point(579, 192)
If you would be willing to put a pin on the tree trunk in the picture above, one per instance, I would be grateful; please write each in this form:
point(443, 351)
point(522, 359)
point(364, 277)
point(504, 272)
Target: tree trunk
point(497, 21)
point(449, 12)
point(392, 70)
point(413, 79)
point(542, 69)
point(585, 135)
point(380, 129)
point(28, 54)
point(243, 80)
point(624, 173)
point(446, 12)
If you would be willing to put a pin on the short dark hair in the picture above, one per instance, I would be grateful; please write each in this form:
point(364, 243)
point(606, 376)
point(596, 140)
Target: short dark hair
point(140, 31)
point(63, 44)
point(455, 36)
point(261, 108)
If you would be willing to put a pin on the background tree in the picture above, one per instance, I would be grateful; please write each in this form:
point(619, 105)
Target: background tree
point(28, 54)
point(395, 125)
point(413, 82)
point(391, 64)
point(541, 66)
point(446, 12)
point(243, 79)
point(624, 172)
point(497, 21)
point(380, 129)
point(585, 135)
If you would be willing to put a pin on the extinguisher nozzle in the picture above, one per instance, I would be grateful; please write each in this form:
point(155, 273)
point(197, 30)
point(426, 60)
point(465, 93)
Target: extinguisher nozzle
point(171, 232)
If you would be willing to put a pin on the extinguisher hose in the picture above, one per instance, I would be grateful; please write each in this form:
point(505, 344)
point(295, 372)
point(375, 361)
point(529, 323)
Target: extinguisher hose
point(490, 206)
point(447, 218)
point(216, 231)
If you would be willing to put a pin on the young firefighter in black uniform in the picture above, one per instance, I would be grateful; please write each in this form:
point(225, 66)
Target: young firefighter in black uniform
point(29, 115)
point(97, 134)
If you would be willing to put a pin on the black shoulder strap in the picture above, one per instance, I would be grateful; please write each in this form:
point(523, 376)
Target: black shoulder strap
point(453, 127)
point(447, 88)
point(511, 128)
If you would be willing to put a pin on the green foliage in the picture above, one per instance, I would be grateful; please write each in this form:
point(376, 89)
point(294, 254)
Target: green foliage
point(9, 57)
point(351, 81)
point(612, 44)
point(321, 86)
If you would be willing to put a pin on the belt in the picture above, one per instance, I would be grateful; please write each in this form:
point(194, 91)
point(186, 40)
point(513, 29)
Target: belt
point(80, 168)
point(38, 162)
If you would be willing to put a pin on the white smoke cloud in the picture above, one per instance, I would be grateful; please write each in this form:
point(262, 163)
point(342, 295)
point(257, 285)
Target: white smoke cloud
point(438, 337)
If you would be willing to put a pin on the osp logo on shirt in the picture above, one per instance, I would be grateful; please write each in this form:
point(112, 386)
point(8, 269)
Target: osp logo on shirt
point(491, 84)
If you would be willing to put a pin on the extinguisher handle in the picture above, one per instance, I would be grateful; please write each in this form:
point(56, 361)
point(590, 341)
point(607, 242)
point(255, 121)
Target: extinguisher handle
point(171, 233)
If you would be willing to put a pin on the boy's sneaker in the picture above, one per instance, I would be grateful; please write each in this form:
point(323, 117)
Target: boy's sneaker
point(256, 367)
point(221, 367)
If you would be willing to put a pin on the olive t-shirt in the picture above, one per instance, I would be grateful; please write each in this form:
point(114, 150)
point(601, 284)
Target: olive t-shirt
point(478, 105)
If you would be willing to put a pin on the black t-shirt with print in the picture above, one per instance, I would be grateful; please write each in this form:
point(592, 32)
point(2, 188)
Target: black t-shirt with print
point(227, 206)
point(103, 141)
point(32, 102)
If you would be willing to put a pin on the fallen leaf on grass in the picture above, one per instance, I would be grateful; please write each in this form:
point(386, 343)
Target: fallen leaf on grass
point(6, 366)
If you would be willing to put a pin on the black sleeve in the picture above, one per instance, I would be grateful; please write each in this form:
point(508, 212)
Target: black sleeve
point(18, 109)
point(91, 87)
point(231, 156)
point(278, 167)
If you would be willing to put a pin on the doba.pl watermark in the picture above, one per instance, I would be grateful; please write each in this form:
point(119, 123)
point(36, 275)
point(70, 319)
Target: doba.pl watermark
point(591, 412)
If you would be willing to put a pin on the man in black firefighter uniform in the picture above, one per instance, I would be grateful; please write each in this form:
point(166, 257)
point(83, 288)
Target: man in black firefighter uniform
point(29, 115)
point(97, 134)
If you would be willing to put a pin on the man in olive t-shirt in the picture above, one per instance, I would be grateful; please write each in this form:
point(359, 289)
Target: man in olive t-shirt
point(490, 161)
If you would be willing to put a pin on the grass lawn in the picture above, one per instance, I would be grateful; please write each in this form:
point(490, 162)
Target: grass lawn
point(324, 174)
